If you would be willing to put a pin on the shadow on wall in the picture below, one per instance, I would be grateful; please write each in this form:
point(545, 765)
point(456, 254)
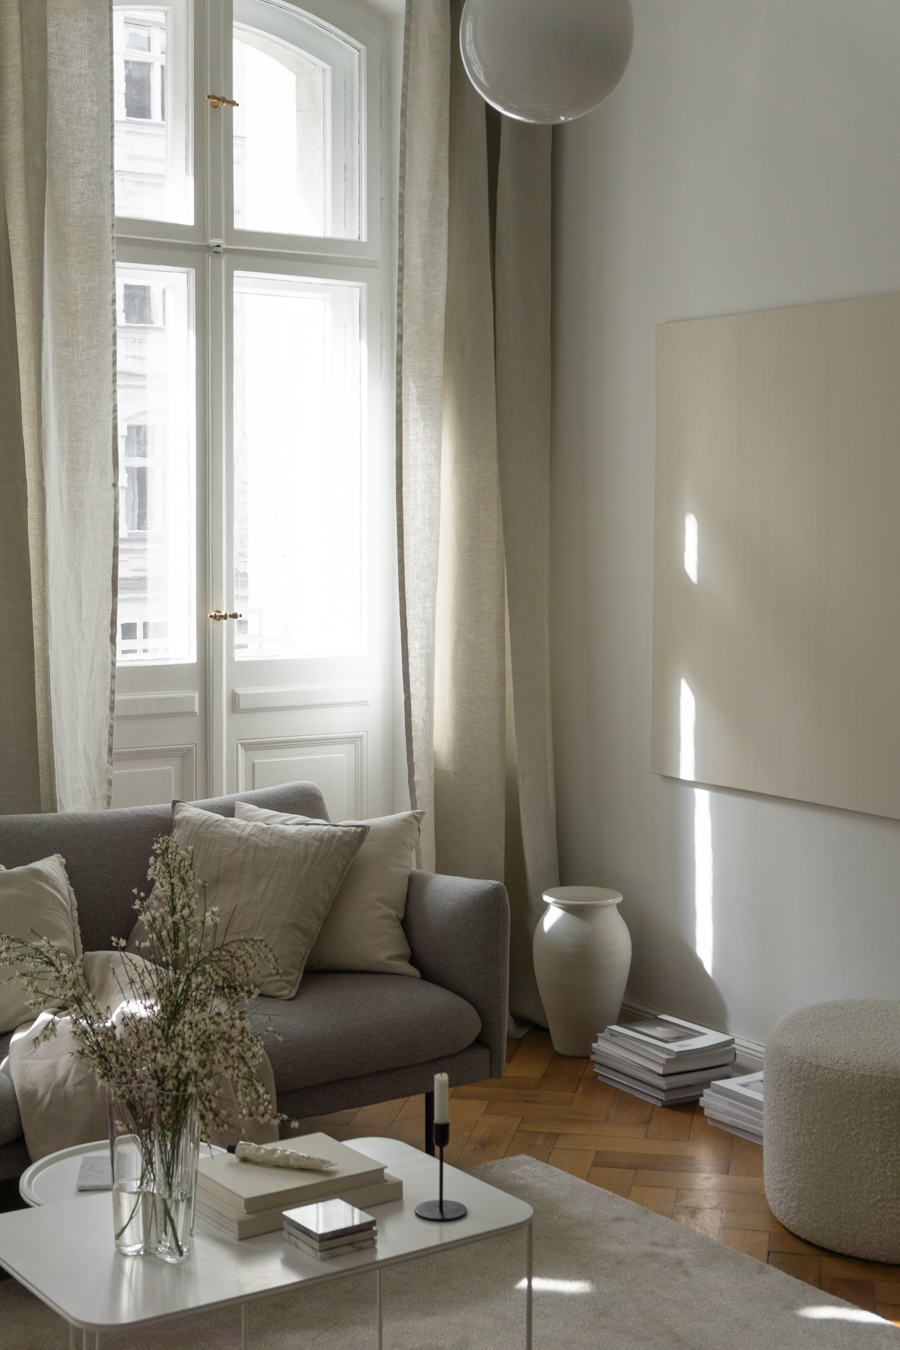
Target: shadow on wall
point(699, 998)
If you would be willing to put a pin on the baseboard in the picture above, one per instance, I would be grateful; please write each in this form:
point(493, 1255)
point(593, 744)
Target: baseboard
point(749, 1053)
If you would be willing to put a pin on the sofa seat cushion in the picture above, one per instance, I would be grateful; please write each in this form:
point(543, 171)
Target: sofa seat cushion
point(341, 1025)
point(10, 1121)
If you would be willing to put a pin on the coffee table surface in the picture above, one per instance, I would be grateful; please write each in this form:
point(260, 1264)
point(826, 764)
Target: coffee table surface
point(65, 1254)
point(55, 1177)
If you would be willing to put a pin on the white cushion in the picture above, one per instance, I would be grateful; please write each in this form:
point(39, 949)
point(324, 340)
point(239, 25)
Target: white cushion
point(35, 901)
point(363, 929)
point(266, 881)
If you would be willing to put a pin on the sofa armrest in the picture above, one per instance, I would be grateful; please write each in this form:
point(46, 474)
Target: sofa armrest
point(458, 931)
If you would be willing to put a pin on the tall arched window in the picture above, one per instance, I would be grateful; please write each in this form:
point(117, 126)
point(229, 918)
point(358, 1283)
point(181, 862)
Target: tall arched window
point(252, 152)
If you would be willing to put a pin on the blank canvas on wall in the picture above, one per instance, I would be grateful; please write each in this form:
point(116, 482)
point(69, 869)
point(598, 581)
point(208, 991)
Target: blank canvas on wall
point(776, 624)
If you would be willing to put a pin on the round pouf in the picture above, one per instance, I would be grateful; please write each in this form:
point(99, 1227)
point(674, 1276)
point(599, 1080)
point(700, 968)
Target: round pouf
point(832, 1126)
point(582, 956)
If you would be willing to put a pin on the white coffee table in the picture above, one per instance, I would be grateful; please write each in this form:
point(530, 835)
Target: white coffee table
point(63, 1250)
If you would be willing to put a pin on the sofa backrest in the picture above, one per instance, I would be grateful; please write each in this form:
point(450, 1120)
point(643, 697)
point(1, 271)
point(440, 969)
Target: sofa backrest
point(107, 852)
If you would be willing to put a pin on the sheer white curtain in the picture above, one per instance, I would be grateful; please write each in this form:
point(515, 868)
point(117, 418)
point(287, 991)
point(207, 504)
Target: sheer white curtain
point(58, 496)
point(473, 430)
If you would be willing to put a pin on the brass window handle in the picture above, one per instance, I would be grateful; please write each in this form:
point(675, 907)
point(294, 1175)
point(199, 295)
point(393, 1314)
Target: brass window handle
point(220, 101)
point(220, 614)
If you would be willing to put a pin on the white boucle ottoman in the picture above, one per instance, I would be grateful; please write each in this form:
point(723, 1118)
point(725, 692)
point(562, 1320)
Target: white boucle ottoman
point(832, 1126)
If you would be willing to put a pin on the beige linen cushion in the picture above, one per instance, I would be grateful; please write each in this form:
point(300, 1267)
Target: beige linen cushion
point(363, 928)
point(35, 901)
point(267, 882)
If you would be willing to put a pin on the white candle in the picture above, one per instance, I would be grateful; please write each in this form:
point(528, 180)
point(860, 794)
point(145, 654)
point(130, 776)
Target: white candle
point(441, 1099)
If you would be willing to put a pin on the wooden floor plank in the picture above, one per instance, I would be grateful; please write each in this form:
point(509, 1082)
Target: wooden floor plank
point(860, 1292)
point(746, 1158)
point(564, 1121)
point(378, 1118)
point(706, 1141)
point(788, 1242)
point(710, 1197)
point(534, 1143)
point(659, 1161)
point(563, 1074)
point(670, 1122)
point(619, 1180)
point(516, 1096)
point(533, 1055)
point(757, 1220)
point(576, 1161)
point(750, 1243)
point(489, 1140)
point(889, 1311)
point(537, 1105)
point(659, 1199)
point(888, 1291)
point(802, 1267)
point(705, 1221)
point(700, 1179)
point(632, 1110)
point(594, 1096)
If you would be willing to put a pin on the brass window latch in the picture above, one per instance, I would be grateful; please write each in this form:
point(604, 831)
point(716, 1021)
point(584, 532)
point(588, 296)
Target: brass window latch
point(220, 614)
point(220, 101)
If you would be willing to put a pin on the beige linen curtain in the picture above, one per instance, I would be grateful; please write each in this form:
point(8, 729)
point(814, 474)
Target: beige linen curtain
point(473, 429)
point(58, 496)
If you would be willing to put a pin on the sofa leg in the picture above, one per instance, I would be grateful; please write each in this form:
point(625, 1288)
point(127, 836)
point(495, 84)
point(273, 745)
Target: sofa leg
point(429, 1123)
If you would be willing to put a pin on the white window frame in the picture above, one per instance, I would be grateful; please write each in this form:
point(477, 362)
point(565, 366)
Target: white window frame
point(210, 244)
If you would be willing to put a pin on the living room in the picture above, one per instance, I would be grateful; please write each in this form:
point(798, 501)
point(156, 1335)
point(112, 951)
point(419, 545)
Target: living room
point(742, 164)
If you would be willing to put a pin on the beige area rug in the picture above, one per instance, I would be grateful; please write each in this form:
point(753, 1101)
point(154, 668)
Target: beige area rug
point(608, 1275)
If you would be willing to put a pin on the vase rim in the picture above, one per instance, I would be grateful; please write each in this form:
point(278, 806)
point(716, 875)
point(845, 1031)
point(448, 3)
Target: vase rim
point(581, 895)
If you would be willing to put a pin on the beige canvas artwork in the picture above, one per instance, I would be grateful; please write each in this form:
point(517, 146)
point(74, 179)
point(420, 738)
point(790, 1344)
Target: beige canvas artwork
point(776, 624)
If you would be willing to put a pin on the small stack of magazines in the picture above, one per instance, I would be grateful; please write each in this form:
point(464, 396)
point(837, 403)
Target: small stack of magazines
point(663, 1060)
point(329, 1229)
point(736, 1105)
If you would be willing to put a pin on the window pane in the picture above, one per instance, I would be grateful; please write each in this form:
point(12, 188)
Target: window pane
point(152, 144)
point(298, 523)
point(297, 130)
point(155, 363)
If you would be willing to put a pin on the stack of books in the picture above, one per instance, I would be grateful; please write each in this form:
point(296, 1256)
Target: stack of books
point(329, 1229)
point(663, 1060)
point(244, 1200)
point(736, 1105)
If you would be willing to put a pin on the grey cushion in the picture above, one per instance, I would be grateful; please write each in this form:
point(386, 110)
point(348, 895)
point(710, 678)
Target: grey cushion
point(107, 852)
point(10, 1123)
point(342, 1024)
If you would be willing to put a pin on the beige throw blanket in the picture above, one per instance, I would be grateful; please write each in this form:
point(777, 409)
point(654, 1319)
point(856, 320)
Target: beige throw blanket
point(60, 1100)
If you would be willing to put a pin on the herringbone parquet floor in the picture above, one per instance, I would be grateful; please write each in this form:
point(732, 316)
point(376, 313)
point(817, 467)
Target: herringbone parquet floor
point(667, 1159)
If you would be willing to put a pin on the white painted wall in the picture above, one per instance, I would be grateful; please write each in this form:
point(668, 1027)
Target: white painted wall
point(749, 159)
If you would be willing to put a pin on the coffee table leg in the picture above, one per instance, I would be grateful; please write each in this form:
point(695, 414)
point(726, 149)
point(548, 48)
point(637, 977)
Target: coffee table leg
point(529, 1263)
point(245, 1325)
point(379, 1302)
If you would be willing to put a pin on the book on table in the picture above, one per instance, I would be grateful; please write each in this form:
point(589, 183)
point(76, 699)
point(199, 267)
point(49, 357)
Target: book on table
point(224, 1180)
point(238, 1224)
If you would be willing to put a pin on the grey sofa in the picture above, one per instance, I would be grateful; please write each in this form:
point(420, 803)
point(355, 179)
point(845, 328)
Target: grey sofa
point(347, 1039)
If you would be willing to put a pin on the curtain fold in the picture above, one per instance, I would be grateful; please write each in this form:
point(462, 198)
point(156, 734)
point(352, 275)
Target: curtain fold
point(473, 433)
point(58, 472)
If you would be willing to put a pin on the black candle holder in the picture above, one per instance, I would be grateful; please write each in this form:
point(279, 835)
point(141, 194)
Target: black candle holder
point(441, 1210)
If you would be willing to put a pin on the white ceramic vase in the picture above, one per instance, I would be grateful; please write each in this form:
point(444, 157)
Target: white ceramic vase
point(582, 956)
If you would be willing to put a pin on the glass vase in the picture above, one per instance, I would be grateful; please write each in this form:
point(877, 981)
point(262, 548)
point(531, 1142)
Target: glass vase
point(154, 1140)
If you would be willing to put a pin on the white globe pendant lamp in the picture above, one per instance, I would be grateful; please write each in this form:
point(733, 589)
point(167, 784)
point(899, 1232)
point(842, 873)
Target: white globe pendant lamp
point(546, 60)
